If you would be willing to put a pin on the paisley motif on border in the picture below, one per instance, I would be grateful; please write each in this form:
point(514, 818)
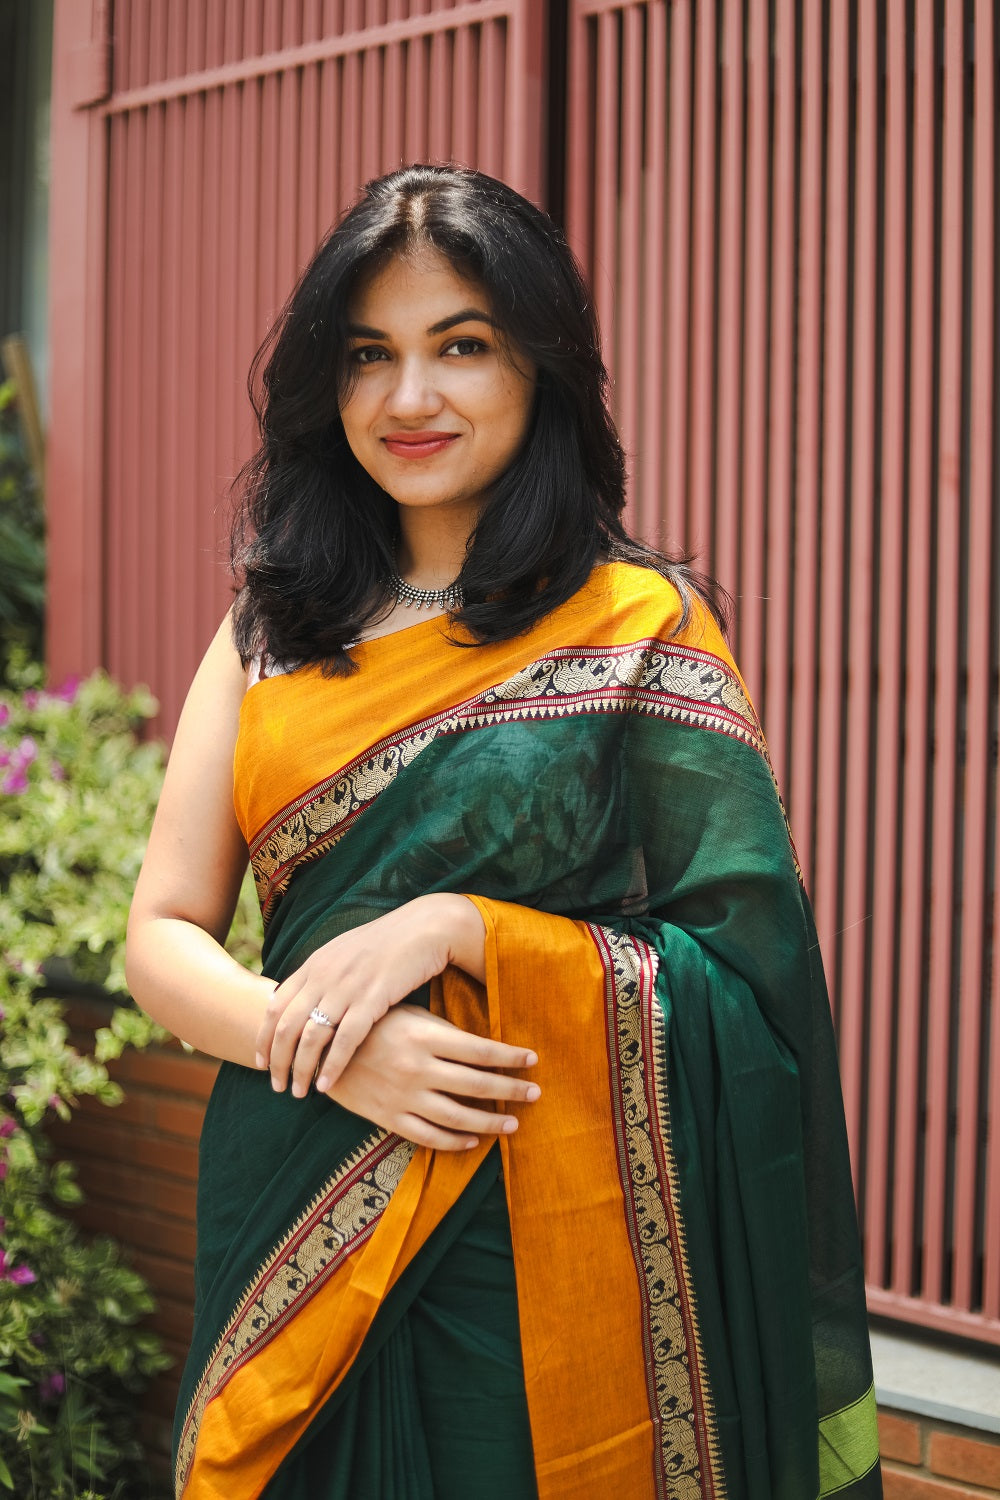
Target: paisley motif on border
point(687, 1454)
point(645, 677)
point(339, 1219)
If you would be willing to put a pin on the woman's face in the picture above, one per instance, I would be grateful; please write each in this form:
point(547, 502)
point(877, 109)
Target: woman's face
point(437, 410)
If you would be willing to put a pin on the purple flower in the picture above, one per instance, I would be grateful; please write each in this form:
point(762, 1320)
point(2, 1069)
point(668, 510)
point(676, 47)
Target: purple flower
point(4, 714)
point(69, 689)
point(28, 750)
point(31, 698)
point(51, 1387)
point(16, 1275)
point(8, 1127)
point(6, 756)
point(15, 783)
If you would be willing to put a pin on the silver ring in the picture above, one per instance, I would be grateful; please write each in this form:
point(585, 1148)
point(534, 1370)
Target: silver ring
point(321, 1020)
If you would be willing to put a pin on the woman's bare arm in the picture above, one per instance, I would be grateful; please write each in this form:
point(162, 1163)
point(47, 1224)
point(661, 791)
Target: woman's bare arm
point(179, 971)
point(176, 965)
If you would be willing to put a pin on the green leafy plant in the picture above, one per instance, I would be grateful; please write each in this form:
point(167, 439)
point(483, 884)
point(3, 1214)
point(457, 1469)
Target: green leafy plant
point(22, 541)
point(77, 792)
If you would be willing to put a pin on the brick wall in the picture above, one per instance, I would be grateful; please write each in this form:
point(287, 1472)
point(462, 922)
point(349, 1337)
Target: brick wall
point(923, 1459)
point(138, 1168)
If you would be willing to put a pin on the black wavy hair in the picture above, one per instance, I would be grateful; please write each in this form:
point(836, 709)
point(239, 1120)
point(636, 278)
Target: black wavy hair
point(314, 536)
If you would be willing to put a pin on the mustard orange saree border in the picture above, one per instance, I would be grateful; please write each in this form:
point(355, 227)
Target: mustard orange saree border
point(602, 1278)
point(276, 1363)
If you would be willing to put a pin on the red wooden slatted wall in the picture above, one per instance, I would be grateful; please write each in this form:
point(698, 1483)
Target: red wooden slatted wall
point(225, 139)
point(788, 212)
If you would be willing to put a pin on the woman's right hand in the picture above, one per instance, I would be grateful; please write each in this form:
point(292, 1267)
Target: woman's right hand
point(415, 1073)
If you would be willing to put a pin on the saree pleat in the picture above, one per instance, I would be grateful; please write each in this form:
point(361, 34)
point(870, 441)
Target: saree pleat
point(683, 1314)
point(411, 1426)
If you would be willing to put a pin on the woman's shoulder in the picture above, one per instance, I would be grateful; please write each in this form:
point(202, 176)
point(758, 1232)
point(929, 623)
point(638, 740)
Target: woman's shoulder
point(649, 602)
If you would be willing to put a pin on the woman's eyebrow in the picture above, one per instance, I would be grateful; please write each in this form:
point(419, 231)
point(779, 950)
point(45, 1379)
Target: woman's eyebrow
point(467, 315)
point(362, 331)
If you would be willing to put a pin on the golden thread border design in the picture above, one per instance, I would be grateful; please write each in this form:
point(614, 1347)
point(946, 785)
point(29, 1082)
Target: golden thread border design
point(678, 1383)
point(375, 1169)
point(649, 677)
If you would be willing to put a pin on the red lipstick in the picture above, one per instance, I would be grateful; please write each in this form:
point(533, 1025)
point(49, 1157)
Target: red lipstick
point(418, 444)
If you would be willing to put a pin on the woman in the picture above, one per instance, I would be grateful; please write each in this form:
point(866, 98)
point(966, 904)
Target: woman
point(529, 1175)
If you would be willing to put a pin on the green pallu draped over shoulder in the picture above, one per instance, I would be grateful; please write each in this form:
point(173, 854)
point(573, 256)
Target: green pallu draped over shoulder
point(677, 1299)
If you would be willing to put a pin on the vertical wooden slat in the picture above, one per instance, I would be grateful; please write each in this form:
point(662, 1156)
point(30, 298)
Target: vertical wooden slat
point(604, 269)
point(854, 876)
point(229, 388)
point(886, 876)
point(699, 532)
point(439, 104)
point(183, 505)
point(981, 662)
point(116, 333)
point(728, 403)
point(493, 76)
point(678, 277)
point(526, 125)
point(463, 122)
point(630, 218)
point(829, 758)
point(393, 152)
point(579, 164)
point(416, 101)
point(753, 530)
point(307, 221)
point(653, 502)
point(778, 678)
point(328, 200)
point(802, 777)
point(946, 637)
point(913, 856)
point(158, 532)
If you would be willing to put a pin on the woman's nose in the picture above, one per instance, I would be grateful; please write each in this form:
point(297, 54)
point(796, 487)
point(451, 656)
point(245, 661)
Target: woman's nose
point(413, 393)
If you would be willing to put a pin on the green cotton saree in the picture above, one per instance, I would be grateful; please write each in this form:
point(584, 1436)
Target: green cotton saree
point(662, 1296)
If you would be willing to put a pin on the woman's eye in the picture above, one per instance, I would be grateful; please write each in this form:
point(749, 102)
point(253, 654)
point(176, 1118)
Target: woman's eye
point(368, 356)
point(466, 347)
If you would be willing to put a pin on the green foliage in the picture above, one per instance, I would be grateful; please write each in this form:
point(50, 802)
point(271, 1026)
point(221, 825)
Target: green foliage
point(22, 541)
point(77, 793)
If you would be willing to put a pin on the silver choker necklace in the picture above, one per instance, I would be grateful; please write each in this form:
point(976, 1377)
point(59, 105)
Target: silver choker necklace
point(450, 597)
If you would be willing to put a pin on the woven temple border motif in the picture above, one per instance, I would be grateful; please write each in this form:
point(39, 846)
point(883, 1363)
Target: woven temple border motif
point(646, 677)
point(337, 1222)
point(687, 1453)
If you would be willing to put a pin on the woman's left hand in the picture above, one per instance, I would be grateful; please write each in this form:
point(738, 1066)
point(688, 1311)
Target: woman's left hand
point(354, 979)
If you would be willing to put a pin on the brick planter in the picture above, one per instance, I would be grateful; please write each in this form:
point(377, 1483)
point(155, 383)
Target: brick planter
point(138, 1168)
point(923, 1459)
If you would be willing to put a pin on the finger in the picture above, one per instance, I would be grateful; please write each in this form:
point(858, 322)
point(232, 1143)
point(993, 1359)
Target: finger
point(313, 1043)
point(281, 997)
point(482, 1052)
point(294, 1025)
point(455, 1115)
point(474, 1083)
point(349, 1035)
point(423, 1133)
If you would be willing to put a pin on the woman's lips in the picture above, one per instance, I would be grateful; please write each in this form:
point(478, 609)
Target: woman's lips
point(418, 444)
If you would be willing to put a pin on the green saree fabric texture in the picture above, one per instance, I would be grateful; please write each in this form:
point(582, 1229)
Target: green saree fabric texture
point(618, 779)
